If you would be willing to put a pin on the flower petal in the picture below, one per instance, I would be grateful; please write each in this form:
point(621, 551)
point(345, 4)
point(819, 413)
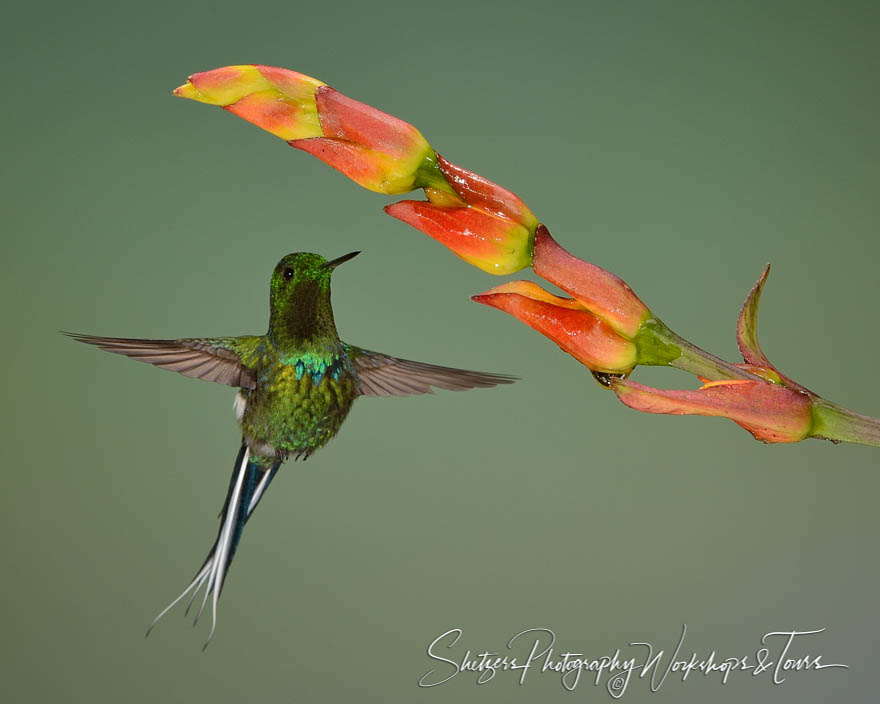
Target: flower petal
point(493, 244)
point(370, 169)
point(482, 193)
point(747, 325)
point(275, 99)
point(229, 84)
point(581, 334)
point(294, 85)
point(345, 118)
point(278, 115)
point(769, 412)
point(747, 334)
point(223, 86)
point(607, 295)
point(531, 290)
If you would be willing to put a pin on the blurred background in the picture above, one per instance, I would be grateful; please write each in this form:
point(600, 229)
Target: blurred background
point(681, 144)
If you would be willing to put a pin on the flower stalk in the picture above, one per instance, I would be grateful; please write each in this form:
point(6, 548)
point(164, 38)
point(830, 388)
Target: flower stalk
point(604, 325)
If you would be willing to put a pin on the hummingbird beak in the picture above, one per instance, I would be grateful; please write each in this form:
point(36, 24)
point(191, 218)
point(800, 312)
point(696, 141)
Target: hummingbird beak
point(333, 263)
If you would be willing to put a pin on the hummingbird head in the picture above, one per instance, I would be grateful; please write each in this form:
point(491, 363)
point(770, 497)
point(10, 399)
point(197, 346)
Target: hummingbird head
point(299, 297)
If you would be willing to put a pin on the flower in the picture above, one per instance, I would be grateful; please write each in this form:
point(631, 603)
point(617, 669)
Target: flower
point(376, 150)
point(277, 100)
point(490, 243)
point(600, 291)
point(770, 412)
point(576, 330)
point(480, 222)
point(479, 192)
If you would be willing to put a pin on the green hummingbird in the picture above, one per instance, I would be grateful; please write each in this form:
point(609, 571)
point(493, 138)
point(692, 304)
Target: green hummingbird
point(296, 386)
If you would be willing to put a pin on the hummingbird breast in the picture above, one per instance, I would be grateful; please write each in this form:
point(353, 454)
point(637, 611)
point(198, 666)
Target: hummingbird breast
point(297, 406)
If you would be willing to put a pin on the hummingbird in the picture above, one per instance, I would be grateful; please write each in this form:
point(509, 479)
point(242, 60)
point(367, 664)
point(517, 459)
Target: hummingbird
point(296, 385)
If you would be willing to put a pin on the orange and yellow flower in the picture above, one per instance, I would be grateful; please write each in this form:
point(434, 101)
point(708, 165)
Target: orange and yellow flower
point(376, 150)
point(481, 222)
point(576, 330)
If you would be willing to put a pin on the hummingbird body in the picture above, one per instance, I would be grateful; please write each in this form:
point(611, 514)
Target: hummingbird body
point(296, 386)
point(298, 405)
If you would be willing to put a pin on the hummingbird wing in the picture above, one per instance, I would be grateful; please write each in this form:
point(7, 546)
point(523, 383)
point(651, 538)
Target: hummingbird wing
point(212, 359)
point(384, 375)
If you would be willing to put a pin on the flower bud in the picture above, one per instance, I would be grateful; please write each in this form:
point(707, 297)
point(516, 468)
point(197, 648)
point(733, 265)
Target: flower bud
point(277, 100)
point(376, 150)
point(493, 244)
point(771, 413)
point(601, 292)
point(576, 330)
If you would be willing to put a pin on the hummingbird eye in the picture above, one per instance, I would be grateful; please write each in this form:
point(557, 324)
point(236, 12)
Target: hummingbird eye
point(288, 274)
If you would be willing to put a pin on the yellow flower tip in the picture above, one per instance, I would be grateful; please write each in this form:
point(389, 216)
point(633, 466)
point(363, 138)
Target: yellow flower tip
point(188, 90)
point(531, 290)
point(524, 288)
point(223, 86)
point(725, 382)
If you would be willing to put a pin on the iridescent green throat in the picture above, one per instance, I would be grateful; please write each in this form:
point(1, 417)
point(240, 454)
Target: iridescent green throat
point(301, 326)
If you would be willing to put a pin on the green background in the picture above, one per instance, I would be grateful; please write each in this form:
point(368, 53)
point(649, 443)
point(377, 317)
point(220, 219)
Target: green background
point(681, 145)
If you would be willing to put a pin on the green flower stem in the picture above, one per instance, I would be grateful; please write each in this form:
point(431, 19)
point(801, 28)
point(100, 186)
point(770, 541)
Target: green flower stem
point(838, 424)
point(672, 350)
point(429, 175)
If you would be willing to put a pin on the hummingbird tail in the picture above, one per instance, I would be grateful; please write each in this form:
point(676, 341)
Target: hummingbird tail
point(246, 488)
